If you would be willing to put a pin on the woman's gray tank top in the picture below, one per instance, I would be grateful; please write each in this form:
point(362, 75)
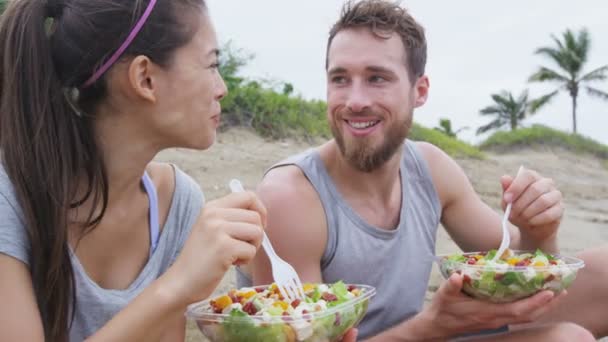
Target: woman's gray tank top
point(397, 262)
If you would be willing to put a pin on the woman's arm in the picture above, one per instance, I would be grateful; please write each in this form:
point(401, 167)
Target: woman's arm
point(19, 314)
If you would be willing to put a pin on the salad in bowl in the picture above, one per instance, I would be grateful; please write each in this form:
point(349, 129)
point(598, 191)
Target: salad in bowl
point(515, 275)
point(261, 314)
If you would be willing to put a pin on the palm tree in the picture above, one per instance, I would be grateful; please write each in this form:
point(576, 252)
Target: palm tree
point(510, 111)
point(570, 54)
point(445, 127)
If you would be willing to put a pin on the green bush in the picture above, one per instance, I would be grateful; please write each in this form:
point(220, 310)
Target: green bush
point(450, 145)
point(273, 114)
point(539, 135)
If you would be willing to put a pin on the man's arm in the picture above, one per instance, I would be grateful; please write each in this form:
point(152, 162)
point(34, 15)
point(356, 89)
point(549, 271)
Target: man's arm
point(475, 226)
point(296, 225)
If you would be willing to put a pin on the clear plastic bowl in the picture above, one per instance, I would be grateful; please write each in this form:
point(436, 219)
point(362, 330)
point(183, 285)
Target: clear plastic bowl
point(506, 283)
point(328, 325)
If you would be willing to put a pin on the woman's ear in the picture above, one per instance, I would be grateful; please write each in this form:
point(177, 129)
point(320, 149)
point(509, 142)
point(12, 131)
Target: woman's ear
point(142, 73)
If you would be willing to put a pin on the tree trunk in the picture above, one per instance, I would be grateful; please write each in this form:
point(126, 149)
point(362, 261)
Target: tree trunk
point(574, 114)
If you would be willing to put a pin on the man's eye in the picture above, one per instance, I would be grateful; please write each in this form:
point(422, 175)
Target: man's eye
point(377, 79)
point(338, 80)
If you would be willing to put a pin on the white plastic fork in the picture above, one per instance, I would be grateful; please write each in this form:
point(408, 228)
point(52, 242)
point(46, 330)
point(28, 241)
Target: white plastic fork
point(285, 276)
point(506, 236)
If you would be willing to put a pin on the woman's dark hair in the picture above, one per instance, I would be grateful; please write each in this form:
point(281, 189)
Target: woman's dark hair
point(48, 49)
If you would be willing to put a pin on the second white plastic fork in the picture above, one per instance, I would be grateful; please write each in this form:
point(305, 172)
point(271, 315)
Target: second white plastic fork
point(285, 276)
point(506, 235)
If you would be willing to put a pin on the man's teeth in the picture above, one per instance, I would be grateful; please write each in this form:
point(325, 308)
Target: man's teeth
point(361, 125)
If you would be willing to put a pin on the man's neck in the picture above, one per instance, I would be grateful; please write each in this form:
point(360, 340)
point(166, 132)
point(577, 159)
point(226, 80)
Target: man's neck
point(378, 185)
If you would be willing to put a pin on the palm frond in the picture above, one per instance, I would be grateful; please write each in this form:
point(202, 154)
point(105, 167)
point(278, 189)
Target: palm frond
point(558, 42)
point(597, 93)
point(502, 99)
point(538, 103)
point(551, 53)
point(598, 74)
point(545, 74)
point(491, 110)
point(498, 123)
point(523, 97)
point(583, 45)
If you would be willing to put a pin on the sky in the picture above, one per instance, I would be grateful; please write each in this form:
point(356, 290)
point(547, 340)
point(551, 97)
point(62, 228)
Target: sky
point(475, 48)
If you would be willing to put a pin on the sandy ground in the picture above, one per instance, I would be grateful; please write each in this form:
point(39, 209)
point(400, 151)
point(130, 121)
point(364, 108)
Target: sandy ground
point(582, 179)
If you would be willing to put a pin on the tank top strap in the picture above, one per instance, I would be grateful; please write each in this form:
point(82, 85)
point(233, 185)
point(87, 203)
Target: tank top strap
point(153, 200)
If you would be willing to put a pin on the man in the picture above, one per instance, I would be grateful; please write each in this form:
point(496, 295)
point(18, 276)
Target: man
point(364, 207)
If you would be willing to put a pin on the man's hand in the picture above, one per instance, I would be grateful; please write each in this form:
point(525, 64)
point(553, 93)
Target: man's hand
point(452, 313)
point(350, 336)
point(537, 206)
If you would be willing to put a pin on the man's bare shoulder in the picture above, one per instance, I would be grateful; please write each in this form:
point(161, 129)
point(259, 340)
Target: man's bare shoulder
point(448, 177)
point(432, 154)
point(285, 185)
point(296, 223)
point(295, 212)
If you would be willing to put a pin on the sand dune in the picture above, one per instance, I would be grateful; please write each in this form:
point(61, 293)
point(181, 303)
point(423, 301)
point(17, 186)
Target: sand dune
point(582, 179)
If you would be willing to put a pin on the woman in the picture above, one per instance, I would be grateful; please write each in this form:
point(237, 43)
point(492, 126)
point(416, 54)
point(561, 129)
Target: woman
point(96, 241)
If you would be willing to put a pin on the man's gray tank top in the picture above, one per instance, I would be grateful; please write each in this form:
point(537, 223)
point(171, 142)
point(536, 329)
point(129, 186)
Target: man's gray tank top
point(397, 262)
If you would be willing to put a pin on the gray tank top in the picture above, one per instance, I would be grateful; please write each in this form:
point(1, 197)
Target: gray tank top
point(397, 262)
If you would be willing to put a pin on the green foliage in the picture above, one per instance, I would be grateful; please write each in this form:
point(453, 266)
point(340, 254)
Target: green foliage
point(539, 135)
point(445, 127)
point(271, 112)
point(449, 145)
point(510, 111)
point(274, 114)
point(570, 54)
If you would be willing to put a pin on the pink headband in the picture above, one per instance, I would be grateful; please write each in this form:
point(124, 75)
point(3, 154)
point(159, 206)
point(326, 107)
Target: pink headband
point(123, 47)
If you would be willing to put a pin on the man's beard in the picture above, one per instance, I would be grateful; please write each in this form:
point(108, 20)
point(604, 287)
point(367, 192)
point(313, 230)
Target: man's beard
point(366, 158)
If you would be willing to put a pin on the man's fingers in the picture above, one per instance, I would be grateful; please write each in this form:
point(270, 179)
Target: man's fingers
point(522, 309)
point(350, 336)
point(533, 192)
point(521, 182)
point(547, 307)
point(552, 214)
point(541, 204)
point(452, 286)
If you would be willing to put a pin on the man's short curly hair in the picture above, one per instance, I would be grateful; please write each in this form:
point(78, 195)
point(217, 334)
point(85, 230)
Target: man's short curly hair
point(384, 18)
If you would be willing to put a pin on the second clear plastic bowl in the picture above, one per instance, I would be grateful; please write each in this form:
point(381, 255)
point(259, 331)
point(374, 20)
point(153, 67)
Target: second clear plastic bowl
point(510, 283)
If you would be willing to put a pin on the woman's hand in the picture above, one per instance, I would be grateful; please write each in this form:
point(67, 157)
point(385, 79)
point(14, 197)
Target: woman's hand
point(228, 232)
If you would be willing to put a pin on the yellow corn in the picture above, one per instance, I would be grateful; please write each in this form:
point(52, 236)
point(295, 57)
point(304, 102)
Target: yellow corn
point(223, 302)
point(247, 295)
point(281, 304)
point(539, 263)
point(513, 261)
point(478, 256)
point(308, 287)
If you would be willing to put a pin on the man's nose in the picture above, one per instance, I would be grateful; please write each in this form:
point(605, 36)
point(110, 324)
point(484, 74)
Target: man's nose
point(358, 98)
